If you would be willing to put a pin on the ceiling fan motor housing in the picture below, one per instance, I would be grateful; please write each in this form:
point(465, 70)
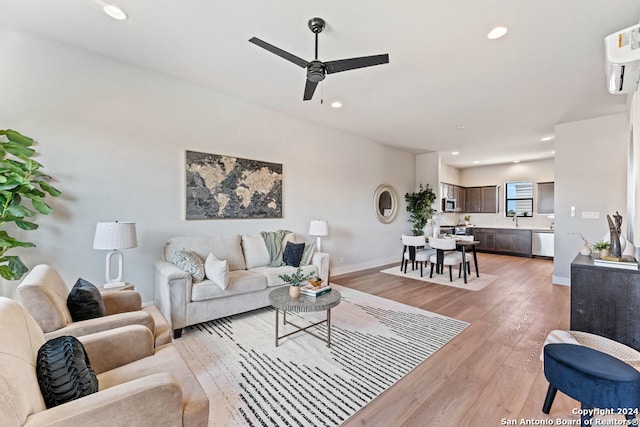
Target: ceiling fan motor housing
point(316, 71)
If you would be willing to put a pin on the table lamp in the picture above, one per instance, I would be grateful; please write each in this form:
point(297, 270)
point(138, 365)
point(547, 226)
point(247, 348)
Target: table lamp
point(318, 228)
point(113, 236)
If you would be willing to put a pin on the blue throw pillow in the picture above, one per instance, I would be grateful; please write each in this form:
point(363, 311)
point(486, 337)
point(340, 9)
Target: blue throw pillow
point(293, 254)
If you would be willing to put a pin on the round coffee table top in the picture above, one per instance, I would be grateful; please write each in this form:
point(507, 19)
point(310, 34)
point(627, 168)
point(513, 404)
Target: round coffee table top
point(281, 300)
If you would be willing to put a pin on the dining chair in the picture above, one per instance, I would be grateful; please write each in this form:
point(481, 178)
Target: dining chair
point(415, 250)
point(442, 258)
point(468, 256)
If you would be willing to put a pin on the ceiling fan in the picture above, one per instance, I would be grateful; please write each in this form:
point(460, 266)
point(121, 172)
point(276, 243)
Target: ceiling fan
point(316, 70)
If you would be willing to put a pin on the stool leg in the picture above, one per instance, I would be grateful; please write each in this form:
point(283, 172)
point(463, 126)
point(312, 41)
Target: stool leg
point(431, 274)
point(548, 401)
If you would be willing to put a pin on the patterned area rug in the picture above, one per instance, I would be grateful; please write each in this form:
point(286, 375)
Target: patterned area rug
point(302, 382)
point(473, 283)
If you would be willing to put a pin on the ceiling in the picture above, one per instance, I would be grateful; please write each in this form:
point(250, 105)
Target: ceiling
point(446, 88)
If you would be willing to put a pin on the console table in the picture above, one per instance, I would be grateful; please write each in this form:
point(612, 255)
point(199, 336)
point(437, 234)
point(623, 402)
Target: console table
point(605, 301)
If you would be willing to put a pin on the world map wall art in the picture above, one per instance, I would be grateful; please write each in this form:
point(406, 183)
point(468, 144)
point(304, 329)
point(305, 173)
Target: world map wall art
point(229, 187)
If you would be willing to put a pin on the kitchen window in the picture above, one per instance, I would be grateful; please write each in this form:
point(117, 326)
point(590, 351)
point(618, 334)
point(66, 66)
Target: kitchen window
point(519, 198)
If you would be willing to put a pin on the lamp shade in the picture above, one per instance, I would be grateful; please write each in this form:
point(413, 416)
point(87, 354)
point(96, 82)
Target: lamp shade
point(318, 228)
point(115, 235)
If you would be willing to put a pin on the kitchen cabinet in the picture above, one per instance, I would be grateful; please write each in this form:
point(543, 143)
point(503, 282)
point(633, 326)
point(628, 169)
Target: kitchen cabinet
point(604, 301)
point(504, 241)
point(545, 197)
point(481, 199)
point(455, 192)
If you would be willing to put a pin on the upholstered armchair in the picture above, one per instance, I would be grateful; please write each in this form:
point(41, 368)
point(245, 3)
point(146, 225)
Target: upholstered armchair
point(44, 294)
point(137, 384)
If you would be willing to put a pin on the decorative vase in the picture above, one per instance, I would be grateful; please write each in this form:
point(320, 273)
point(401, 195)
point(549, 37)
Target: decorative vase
point(294, 291)
point(604, 253)
point(428, 229)
point(585, 250)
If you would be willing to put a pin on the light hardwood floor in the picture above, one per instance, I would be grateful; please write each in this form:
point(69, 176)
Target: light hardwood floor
point(489, 374)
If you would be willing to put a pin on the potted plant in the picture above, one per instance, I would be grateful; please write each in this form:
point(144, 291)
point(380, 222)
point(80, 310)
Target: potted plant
point(420, 208)
point(466, 219)
point(23, 188)
point(603, 248)
point(295, 280)
point(585, 249)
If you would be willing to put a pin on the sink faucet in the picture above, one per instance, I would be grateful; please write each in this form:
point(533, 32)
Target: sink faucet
point(515, 218)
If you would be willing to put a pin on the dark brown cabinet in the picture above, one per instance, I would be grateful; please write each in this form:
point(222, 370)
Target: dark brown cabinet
point(481, 199)
point(604, 301)
point(503, 241)
point(545, 197)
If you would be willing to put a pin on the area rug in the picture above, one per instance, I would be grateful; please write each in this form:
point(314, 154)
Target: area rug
point(302, 382)
point(473, 283)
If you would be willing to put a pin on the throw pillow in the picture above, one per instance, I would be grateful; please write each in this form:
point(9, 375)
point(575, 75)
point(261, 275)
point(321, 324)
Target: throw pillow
point(293, 254)
point(217, 271)
point(307, 255)
point(85, 302)
point(64, 372)
point(188, 261)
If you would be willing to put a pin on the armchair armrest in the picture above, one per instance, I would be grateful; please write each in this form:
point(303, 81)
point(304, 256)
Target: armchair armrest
point(117, 347)
point(121, 301)
point(99, 324)
point(154, 400)
point(321, 260)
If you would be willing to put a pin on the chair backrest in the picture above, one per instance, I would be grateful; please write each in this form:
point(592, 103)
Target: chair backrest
point(44, 294)
point(20, 339)
point(414, 240)
point(442, 243)
point(468, 237)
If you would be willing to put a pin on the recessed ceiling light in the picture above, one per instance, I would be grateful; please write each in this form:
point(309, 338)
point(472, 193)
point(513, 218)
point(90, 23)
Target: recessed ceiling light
point(553, 152)
point(547, 138)
point(336, 104)
point(455, 153)
point(475, 162)
point(497, 32)
point(460, 127)
point(115, 12)
point(516, 161)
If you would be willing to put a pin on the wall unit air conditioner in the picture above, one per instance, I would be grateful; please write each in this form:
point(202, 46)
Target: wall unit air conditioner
point(622, 50)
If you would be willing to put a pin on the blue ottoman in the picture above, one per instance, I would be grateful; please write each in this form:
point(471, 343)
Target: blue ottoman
point(593, 378)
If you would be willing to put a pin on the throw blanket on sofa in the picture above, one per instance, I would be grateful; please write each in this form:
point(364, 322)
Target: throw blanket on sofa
point(273, 239)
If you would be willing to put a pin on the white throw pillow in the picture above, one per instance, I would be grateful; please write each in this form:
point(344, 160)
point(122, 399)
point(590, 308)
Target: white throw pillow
point(217, 271)
point(255, 251)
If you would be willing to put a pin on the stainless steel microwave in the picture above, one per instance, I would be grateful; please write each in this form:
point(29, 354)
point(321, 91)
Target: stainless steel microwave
point(448, 205)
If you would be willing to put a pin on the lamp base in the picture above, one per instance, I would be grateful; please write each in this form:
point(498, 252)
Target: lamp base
point(114, 285)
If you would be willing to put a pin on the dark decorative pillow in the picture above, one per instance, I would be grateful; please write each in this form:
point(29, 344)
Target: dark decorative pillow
point(85, 302)
point(64, 372)
point(293, 254)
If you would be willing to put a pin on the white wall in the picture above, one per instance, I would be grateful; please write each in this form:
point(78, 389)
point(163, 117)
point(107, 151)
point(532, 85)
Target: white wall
point(591, 175)
point(114, 138)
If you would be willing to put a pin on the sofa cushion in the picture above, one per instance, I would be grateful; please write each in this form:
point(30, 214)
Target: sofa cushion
point(217, 271)
point(189, 262)
point(85, 302)
point(255, 251)
point(240, 282)
point(293, 254)
point(225, 247)
point(271, 273)
point(307, 255)
point(64, 372)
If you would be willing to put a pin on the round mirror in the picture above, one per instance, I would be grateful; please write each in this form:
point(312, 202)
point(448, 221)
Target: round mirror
point(385, 203)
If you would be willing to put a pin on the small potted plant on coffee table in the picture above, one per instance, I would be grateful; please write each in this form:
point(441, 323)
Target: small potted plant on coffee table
point(603, 248)
point(295, 280)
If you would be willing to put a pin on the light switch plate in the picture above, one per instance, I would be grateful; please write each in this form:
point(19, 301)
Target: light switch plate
point(590, 215)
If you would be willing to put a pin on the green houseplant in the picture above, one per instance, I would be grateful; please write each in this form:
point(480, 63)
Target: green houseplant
point(23, 188)
point(295, 280)
point(602, 247)
point(419, 206)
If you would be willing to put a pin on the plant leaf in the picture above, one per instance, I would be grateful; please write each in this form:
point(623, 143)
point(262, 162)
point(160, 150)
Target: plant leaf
point(26, 225)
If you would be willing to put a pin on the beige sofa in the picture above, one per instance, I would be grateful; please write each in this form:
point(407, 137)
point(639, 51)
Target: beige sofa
point(251, 278)
point(138, 385)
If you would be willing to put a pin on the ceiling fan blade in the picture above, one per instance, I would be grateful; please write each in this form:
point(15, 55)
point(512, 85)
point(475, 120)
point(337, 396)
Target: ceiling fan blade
point(309, 89)
point(283, 54)
point(353, 63)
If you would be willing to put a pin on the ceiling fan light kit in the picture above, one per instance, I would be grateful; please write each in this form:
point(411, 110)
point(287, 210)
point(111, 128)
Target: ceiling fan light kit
point(316, 69)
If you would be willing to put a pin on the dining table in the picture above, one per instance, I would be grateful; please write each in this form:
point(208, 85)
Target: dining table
point(463, 245)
